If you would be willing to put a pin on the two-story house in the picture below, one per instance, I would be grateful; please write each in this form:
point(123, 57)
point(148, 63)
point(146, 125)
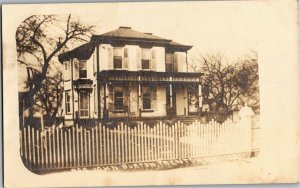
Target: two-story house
point(128, 74)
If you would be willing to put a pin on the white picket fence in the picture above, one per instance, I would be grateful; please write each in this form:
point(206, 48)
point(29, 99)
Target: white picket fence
point(58, 148)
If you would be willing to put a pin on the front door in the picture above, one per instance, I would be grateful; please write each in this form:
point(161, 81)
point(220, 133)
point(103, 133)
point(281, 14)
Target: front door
point(181, 100)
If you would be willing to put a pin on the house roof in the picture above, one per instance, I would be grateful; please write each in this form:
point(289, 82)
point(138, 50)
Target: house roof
point(120, 37)
point(127, 32)
point(82, 52)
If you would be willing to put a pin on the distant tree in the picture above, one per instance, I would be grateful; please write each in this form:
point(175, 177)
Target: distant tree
point(227, 85)
point(39, 39)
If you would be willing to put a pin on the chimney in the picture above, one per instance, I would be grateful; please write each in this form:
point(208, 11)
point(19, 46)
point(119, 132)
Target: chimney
point(149, 33)
point(124, 27)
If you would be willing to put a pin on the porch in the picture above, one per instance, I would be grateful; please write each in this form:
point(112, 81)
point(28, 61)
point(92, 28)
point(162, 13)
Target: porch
point(172, 93)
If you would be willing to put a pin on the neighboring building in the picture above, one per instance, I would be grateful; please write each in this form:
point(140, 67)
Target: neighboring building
point(128, 74)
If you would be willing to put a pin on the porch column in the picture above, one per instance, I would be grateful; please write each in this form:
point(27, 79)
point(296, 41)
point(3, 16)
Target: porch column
point(140, 99)
point(171, 97)
point(199, 98)
point(105, 113)
point(186, 61)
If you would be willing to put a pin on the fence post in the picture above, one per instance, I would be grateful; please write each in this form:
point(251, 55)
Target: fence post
point(246, 114)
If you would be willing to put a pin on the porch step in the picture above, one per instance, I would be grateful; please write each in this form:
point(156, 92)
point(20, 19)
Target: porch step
point(187, 120)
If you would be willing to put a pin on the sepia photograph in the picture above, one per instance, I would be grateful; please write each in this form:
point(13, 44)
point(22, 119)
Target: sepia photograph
point(150, 88)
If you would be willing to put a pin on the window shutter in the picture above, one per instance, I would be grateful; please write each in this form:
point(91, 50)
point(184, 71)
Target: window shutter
point(110, 99)
point(176, 58)
point(126, 98)
point(125, 59)
point(76, 69)
point(138, 58)
point(110, 58)
point(153, 60)
point(125, 63)
point(154, 98)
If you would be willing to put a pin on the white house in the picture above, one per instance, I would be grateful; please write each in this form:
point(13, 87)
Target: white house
point(128, 74)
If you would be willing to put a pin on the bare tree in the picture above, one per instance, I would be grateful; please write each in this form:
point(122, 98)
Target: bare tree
point(40, 38)
point(226, 85)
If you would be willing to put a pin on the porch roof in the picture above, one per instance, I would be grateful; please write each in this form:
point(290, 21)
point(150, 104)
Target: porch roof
point(148, 76)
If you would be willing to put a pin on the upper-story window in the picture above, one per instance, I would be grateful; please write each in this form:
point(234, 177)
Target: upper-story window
point(120, 58)
point(118, 55)
point(67, 72)
point(146, 59)
point(171, 62)
point(82, 69)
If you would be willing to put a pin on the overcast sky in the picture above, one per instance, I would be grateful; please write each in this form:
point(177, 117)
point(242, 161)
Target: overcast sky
point(226, 28)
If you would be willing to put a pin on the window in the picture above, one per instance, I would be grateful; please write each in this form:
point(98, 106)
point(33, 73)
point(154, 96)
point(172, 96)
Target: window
point(68, 102)
point(82, 69)
point(145, 64)
point(84, 104)
point(169, 62)
point(146, 56)
point(146, 97)
point(119, 100)
point(67, 70)
point(117, 60)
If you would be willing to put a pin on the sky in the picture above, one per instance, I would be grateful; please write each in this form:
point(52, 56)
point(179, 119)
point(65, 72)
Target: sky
point(229, 29)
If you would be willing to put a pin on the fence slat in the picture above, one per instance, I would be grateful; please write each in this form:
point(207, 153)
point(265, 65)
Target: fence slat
point(104, 151)
point(25, 143)
point(97, 145)
point(119, 143)
point(73, 147)
point(29, 143)
point(38, 147)
point(129, 130)
point(33, 145)
point(102, 145)
point(66, 148)
point(77, 146)
point(125, 141)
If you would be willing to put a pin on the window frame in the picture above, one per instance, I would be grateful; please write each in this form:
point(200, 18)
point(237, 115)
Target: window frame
point(82, 68)
point(148, 92)
point(148, 50)
point(81, 101)
point(117, 58)
point(68, 93)
point(120, 108)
